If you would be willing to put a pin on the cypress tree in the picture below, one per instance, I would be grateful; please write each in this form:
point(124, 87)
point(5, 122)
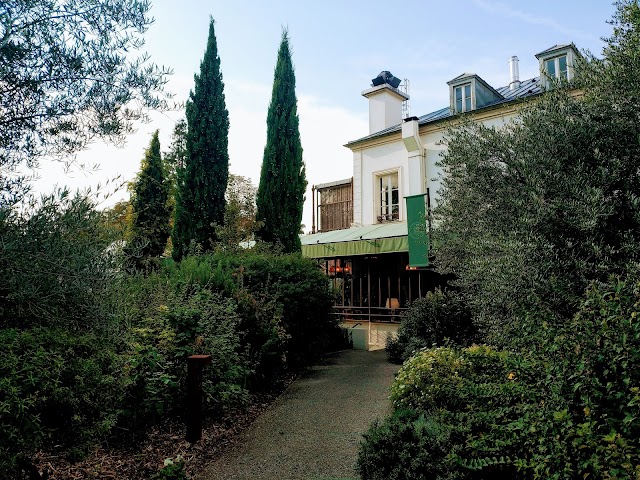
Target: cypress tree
point(280, 195)
point(200, 201)
point(151, 213)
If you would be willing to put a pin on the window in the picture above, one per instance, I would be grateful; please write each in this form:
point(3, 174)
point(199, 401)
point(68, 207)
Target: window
point(388, 197)
point(556, 67)
point(462, 95)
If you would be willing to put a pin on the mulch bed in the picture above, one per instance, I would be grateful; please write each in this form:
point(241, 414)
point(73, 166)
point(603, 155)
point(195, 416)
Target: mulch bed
point(163, 441)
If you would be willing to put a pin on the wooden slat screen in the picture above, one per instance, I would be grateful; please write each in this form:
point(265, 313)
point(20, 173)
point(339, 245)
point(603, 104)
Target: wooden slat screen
point(335, 208)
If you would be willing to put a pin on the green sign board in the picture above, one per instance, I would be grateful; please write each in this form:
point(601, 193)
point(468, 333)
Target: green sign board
point(417, 231)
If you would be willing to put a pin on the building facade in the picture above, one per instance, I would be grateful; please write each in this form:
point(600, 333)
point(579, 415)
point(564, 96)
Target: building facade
point(363, 238)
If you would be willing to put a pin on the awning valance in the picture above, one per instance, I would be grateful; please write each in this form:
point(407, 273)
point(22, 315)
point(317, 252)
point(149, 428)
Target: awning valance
point(371, 239)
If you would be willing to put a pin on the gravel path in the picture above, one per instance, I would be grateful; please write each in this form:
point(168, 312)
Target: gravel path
point(313, 430)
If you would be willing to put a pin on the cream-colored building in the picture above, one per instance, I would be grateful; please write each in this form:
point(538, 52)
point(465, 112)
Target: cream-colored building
point(361, 235)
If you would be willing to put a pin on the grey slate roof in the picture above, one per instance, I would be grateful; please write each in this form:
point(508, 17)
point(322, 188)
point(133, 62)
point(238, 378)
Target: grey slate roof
point(527, 88)
point(463, 75)
point(556, 47)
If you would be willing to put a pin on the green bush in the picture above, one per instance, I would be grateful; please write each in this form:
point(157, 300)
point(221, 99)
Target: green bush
point(61, 378)
point(589, 425)
point(59, 391)
point(568, 408)
point(170, 322)
point(439, 318)
point(407, 445)
point(302, 291)
point(283, 303)
point(57, 260)
point(430, 380)
point(471, 398)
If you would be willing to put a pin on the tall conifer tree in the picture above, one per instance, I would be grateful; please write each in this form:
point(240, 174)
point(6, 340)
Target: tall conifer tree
point(280, 195)
point(200, 201)
point(150, 226)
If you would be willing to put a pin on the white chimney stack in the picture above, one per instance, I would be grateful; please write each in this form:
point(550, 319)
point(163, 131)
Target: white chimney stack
point(515, 73)
point(385, 102)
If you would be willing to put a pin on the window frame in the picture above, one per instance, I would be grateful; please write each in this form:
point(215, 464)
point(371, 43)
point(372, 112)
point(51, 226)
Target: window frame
point(466, 102)
point(558, 73)
point(388, 215)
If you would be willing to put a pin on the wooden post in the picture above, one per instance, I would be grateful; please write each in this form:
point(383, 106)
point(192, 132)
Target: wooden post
point(195, 365)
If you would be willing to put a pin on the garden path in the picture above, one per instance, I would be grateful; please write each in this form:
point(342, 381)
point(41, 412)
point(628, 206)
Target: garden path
point(312, 431)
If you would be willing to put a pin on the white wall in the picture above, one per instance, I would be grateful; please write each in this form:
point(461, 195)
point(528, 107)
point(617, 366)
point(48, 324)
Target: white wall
point(380, 159)
point(388, 156)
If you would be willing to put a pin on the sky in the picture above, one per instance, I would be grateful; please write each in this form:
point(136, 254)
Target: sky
point(337, 48)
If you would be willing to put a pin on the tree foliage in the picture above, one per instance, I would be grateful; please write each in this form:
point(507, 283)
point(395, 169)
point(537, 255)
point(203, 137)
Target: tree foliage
point(119, 218)
point(150, 226)
point(239, 215)
point(57, 260)
point(200, 201)
point(67, 77)
point(280, 195)
point(176, 157)
point(532, 213)
point(439, 318)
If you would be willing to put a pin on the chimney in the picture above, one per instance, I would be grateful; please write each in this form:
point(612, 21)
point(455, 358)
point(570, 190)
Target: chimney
point(385, 102)
point(515, 73)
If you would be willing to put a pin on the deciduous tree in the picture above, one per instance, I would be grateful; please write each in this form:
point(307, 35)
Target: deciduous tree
point(240, 213)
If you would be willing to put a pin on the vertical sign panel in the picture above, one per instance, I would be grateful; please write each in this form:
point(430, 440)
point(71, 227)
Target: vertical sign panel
point(417, 231)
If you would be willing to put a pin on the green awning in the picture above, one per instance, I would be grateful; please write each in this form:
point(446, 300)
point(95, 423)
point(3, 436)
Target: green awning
point(372, 239)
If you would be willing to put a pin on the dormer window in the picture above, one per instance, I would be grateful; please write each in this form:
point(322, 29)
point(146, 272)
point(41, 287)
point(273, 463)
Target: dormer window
point(557, 63)
point(463, 98)
point(556, 67)
point(469, 92)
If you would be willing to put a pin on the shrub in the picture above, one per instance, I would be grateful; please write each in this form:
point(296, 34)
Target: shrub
point(430, 380)
point(283, 302)
point(57, 265)
point(61, 379)
point(439, 318)
point(302, 290)
point(471, 399)
point(568, 408)
point(407, 445)
point(60, 391)
point(171, 321)
point(589, 425)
